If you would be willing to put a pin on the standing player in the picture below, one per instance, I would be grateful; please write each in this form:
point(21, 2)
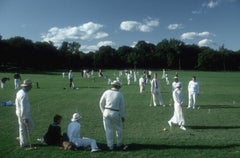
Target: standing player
point(155, 90)
point(178, 117)
point(193, 92)
point(112, 107)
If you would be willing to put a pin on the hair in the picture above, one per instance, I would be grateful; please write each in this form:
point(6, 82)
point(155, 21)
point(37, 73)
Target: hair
point(57, 118)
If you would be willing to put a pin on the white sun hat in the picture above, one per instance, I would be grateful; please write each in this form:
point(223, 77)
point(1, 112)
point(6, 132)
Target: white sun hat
point(76, 117)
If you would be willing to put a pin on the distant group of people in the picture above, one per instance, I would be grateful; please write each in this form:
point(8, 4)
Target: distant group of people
point(17, 80)
point(177, 96)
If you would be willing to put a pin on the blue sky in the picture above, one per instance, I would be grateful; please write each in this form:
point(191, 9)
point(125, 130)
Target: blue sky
point(95, 23)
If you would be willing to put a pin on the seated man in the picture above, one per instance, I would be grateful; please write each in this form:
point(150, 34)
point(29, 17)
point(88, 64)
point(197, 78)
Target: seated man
point(73, 132)
point(53, 135)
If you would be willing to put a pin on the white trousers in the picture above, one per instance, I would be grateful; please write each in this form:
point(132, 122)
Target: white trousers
point(84, 142)
point(23, 135)
point(192, 97)
point(157, 98)
point(178, 117)
point(16, 83)
point(111, 121)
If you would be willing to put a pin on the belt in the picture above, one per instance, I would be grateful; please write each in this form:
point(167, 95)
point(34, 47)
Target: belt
point(112, 109)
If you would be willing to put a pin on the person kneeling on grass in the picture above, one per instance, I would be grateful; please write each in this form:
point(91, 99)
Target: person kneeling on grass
point(73, 133)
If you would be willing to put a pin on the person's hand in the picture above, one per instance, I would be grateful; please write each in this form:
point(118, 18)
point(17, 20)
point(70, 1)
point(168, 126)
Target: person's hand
point(25, 121)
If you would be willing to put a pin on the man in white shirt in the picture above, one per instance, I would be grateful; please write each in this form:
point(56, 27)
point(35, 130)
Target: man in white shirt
point(193, 92)
point(155, 90)
point(142, 84)
point(23, 113)
point(112, 107)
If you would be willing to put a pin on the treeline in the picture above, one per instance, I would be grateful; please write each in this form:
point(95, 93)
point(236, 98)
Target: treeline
point(18, 53)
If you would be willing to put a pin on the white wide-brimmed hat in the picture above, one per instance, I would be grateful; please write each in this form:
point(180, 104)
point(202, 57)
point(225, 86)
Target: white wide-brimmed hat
point(76, 117)
point(116, 83)
point(26, 83)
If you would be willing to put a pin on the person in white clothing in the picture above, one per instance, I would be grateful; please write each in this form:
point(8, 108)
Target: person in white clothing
point(178, 117)
point(23, 113)
point(193, 92)
point(174, 84)
point(142, 84)
point(73, 133)
point(112, 107)
point(17, 80)
point(155, 91)
point(71, 77)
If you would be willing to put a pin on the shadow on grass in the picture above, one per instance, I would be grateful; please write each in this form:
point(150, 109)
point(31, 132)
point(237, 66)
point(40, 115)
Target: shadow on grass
point(218, 106)
point(213, 127)
point(133, 147)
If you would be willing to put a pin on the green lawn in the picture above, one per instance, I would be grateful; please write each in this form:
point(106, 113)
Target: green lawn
point(212, 131)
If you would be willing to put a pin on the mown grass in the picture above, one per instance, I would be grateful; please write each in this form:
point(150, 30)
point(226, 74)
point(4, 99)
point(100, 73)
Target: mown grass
point(212, 131)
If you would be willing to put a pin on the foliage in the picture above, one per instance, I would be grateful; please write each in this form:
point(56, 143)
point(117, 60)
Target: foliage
point(20, 53)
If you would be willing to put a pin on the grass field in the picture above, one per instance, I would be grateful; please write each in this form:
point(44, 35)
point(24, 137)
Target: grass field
point(212, 131)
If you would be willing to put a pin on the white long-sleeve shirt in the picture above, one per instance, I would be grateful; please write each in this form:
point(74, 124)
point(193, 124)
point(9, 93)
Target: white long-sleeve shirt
point(155, 85)
point(178, 97)
point(174, 85)
point(73, 131)
point(22, 104)
point(193, 86)
point(112, 99)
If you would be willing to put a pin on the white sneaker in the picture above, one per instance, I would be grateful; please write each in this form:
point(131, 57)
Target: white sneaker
point(41, 140)
point(182, 128)
point(188, 107)
point(170, 123)
point(95, 150)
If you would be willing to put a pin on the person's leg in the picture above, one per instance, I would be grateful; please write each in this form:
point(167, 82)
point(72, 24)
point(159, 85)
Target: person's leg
point(154, 99)
point(189, 99)
point(119, 129)
point(108, 131)
point(22, 134)
point(194, 100)
point(85, 142)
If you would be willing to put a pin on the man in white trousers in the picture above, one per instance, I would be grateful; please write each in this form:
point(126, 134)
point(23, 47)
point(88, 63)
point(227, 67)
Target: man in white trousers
point(178, 117)
point(23, 113)
point(141, 84)
point(193, 92)
point(155, 91)
point(74, 134)
point(112, 107)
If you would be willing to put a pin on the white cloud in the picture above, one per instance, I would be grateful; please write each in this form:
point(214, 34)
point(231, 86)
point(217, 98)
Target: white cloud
point(87, 31)
point(192, 35)
point(88, 48)
point(211, 4)
point(196, 12)
point(129, 25)
point(188, 35)
point(93, 48)
point(175, 26)
point(105, 43)
point(205, 42)
point(146, 26)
